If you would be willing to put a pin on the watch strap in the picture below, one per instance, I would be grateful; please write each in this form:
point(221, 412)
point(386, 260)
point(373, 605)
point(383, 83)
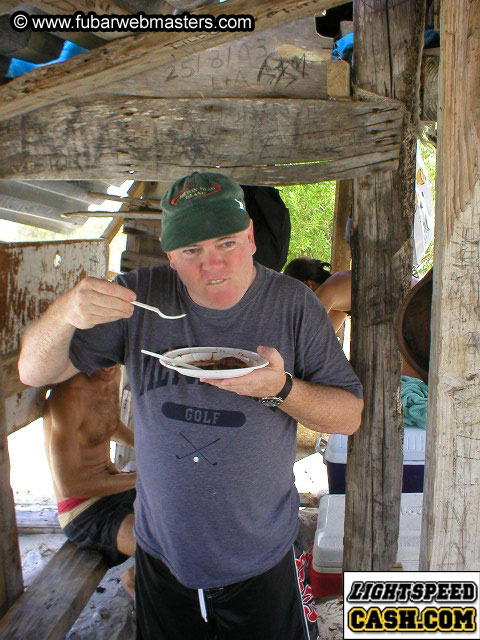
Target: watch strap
point(287, 387)
point(275, 401)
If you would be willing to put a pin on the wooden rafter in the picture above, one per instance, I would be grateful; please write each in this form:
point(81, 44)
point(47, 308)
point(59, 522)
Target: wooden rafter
point(288, 60)
point(137, 54)
point(145, 215)
point(135, 191)
point(159, 139)
point(189, 5)
point(68, 7)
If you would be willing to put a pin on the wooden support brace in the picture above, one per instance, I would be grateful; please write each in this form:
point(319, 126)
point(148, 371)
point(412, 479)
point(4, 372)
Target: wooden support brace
point(55, 599)
point(127, 213)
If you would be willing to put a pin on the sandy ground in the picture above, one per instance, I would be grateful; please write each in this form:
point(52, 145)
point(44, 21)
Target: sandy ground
point(109, 613)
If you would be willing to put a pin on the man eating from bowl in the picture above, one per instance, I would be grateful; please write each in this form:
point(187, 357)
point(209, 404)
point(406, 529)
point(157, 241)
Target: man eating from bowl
point(216, 515)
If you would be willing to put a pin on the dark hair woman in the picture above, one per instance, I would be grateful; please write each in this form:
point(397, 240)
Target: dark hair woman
point(333, 290)
point(306, 269)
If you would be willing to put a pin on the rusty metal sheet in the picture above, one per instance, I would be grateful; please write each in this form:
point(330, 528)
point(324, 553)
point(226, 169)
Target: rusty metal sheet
point(24, 407)
point(34, 274)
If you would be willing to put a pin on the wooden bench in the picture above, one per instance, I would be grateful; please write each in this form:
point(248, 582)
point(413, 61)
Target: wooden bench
point(50, 606)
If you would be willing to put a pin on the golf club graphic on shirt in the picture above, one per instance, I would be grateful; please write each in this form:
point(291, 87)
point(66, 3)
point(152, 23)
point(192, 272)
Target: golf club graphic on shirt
point(197, 450)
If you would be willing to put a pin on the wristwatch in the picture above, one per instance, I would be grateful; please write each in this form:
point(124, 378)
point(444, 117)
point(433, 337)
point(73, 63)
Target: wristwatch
point(275, 401)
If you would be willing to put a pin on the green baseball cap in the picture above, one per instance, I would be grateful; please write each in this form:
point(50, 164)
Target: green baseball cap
point(201, 206)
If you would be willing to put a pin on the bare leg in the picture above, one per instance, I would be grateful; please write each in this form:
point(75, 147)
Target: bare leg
point(125, 539)
point(126, 544)
point(128, 581)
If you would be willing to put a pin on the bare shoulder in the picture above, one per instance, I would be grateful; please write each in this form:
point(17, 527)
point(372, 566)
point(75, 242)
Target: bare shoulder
point(335, 292)
point(66, 396)
point(344, 277)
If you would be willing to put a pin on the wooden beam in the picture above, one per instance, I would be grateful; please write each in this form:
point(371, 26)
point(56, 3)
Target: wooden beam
point(11, 581)
point(188, 5)
point(387, 53)
point(50, 606)
point(100, 7)
point(288, 60)
point(138, 54)
point(144, 138)
point(146, 215)
point(8, 6)
point(451, 514)
point(30, 521)
point(68, 7)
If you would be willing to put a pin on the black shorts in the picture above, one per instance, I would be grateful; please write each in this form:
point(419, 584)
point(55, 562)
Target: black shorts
point(97, 527)
point(276, 605)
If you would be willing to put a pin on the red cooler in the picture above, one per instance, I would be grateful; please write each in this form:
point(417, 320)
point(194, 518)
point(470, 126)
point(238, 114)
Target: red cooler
point(326, 557)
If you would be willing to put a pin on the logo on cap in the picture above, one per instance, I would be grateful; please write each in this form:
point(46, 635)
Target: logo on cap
point(191, 192)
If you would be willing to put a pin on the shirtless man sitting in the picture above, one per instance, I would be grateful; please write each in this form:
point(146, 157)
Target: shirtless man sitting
point(334, 290)
point(95, 500)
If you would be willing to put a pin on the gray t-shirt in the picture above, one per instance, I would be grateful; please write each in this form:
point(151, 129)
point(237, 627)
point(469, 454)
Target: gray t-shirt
point(216, 499)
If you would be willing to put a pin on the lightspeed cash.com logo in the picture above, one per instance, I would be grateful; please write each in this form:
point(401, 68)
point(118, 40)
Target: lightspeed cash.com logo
point(414, 604)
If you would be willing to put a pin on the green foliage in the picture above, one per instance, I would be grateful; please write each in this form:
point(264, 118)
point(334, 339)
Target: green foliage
point(311, 214)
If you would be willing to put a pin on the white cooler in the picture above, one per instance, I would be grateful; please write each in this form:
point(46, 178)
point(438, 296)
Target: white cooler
point(327, 552)
point(334, 452)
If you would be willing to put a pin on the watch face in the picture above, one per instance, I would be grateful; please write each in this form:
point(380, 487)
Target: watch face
point(271, 402)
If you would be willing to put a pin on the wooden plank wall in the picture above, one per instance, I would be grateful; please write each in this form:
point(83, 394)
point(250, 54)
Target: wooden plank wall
point(451, 520)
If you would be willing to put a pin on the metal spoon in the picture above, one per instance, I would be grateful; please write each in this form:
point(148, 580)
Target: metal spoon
point(171, 361)
point(157, 310)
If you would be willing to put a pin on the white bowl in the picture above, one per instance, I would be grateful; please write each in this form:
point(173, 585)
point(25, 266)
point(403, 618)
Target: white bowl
point(194, 354)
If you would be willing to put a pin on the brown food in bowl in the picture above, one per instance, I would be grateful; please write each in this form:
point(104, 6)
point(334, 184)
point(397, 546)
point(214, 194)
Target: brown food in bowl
point(229, 362)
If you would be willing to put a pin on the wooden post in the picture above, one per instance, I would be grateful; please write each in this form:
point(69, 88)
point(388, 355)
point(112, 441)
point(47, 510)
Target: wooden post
point(340, 256)
point(451, 518)
point(388, 49)
point(11, 581)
